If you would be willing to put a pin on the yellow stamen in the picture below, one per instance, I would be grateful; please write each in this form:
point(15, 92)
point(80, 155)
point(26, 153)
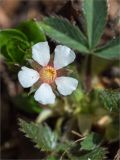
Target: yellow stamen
point(48, 74)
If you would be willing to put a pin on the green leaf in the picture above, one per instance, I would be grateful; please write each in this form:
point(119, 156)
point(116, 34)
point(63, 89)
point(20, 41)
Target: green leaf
point(96, 154)
point(42, 135)
point(64, 32)
point(4, 52)
point(16, 50)
point(26, 103)
point(33, 31)
point(111, 50)
point(95, 13)
point(90, 142)
point(7, 34)
point(110, 99)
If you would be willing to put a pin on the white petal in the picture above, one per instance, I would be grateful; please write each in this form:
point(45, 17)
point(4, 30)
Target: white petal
point(63, 56)
point(27, 77)
point(41, 53)
point(45, 94)
point(66, 85)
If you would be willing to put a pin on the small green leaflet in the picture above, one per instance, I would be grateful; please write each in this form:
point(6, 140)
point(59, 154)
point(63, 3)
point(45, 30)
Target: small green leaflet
point(111, 50)
point(110, 99)
point(62, 31)
point(40, 134)
point(95, 13)
point(98, 153)
point(90, 142)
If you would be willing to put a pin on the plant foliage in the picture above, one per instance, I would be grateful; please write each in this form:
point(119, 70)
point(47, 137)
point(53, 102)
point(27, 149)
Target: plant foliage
point(33, 31)
point(98, 153)
point(110, 99)
point(90, 142)
point(7, 34)
point(15, 44)
point(62, 31)
point(95, 13)
point(40, 134)
point(111, 50)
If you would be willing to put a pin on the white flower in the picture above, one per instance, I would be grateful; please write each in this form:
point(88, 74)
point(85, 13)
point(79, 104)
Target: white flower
point(50, 73)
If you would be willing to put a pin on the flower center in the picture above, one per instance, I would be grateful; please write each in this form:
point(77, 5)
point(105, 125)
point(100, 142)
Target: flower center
point(48, 74)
